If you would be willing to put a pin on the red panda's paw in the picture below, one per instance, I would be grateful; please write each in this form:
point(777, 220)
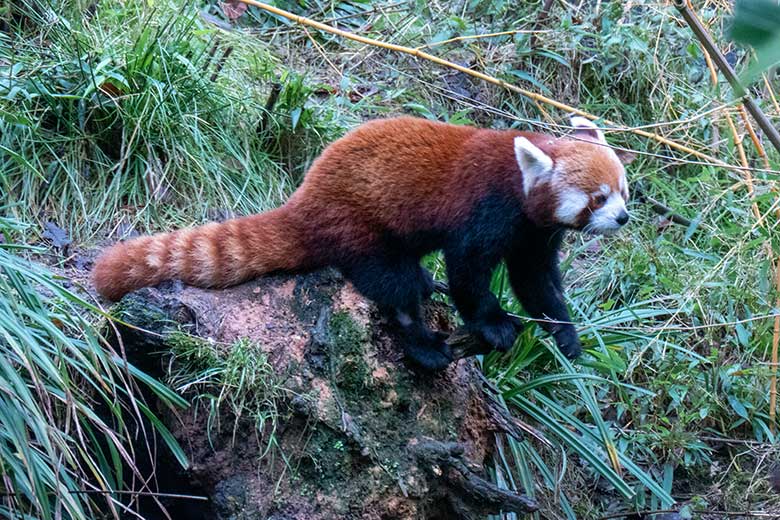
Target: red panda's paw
point(426, 350)
point(499, 330)
point(568, 341)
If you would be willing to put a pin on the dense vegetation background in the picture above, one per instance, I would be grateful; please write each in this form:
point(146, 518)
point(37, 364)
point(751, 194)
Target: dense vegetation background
point(122, 117)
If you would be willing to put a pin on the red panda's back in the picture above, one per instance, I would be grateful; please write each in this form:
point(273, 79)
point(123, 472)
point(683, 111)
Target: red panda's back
point(397, 173)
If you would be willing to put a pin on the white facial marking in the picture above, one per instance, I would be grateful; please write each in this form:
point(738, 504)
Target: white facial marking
point(535, 165)
point(571, 202)
point(604, 219)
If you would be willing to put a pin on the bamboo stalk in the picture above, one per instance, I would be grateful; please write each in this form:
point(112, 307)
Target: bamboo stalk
point(753, 136)
point(737, 138)
point(776, 327)
point(775, 343)
point(302, 20)
point(743, 159)
point(708, 60)
point(771, 94)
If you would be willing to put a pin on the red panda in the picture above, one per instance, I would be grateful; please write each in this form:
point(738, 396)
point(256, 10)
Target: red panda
point(392, 190)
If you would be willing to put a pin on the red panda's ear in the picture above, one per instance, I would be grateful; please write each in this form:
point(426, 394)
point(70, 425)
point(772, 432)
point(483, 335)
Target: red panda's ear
point(587, 129)
point(535, 165)
point(626, 157)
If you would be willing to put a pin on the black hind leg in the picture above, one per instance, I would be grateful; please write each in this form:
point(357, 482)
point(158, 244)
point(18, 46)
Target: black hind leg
point(398, 285)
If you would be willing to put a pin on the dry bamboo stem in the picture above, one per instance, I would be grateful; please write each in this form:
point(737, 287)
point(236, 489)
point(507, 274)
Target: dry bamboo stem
point(775, 343)
point(772, 94)
point(737, 138)
point(753, 136)
point(710, 65)
point(702, 34)
point(744, 161)
point(302, 20)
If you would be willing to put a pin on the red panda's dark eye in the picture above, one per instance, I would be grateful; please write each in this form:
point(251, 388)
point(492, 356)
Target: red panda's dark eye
point(599, 200)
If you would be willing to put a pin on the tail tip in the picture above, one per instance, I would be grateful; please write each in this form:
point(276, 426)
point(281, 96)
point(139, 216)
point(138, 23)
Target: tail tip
point(109, 276)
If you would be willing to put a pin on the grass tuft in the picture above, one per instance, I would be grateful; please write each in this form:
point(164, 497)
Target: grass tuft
point(69, 405)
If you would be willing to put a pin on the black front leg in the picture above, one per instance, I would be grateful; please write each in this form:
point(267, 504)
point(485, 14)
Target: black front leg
point(469, 275)
point(536, 281)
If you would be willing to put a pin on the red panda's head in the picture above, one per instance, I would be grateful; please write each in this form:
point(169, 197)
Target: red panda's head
point(578, 183)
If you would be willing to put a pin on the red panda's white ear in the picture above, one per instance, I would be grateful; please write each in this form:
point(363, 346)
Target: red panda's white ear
point(535, 165)
point(587, 129)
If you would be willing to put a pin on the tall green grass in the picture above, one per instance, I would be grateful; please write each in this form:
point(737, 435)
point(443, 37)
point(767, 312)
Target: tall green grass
point(98, 123)
point(70, 412)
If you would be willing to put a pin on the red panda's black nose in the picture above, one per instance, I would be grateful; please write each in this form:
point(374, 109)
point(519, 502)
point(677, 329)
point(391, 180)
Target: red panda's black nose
point(622, 218)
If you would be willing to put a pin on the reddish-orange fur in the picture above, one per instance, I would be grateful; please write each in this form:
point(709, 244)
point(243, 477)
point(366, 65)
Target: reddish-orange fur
point(395, 176)
point(214, 255)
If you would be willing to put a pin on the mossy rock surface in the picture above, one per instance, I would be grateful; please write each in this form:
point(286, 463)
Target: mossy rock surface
point(352, 414)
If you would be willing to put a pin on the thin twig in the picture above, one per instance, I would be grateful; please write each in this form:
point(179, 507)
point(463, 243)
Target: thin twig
point(753, 137)
point(541, 18)
point(221, 63)
point(775, 342)
point(728, 440)
point(637, 514)
point(661, 209)
point(749, 514)
point(665, 328)
point(743, 159)
point(772, 96)
point(273, 96)
point(557, 127)
point(667, 212)
point(322, 52)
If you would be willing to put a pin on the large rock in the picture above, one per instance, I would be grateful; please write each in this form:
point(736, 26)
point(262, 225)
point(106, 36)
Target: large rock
point(336, 426)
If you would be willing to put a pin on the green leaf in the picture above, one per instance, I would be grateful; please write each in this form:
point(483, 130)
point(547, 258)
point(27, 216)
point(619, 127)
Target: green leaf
point(738, 407)
point(757, 23)
point(525, 76)
point(554, 56)
point(167, 436)
point(743, 336)
point(295, 115)
point(584, 448)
